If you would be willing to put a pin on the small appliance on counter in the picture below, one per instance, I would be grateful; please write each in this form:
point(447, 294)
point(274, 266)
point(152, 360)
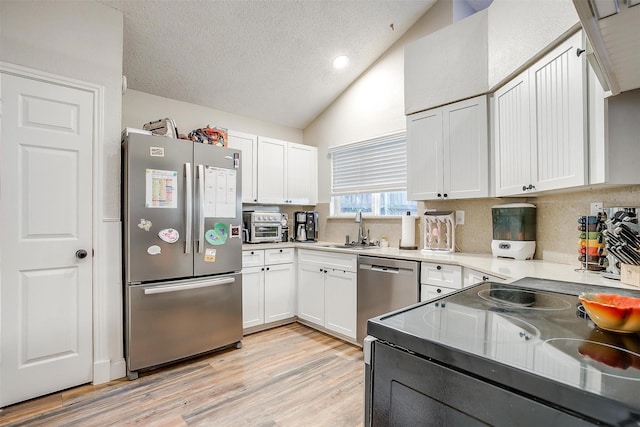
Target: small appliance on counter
point(262, 226)
point(306, 226)
point(514, 230)
point(439, 231)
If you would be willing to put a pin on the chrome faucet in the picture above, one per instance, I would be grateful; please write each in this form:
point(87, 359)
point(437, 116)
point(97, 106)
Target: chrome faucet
point(362, 239)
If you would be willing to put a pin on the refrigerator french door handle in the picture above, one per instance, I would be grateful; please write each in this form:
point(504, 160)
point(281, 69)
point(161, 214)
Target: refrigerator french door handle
point(188, 209)
point(178, 288)
point(201, 208)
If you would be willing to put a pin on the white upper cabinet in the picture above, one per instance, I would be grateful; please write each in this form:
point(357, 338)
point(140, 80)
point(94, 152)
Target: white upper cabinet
point(272, 170)
point(248, 144)
point(302, 183)
point(447, 152)
point(479, 53)
point(287, 172)
point(539, 124)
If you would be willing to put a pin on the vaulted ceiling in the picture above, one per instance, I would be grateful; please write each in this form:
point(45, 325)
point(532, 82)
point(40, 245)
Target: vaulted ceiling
point(266, 59)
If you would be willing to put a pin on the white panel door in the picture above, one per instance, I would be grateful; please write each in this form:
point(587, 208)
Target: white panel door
point(248, 144)
point(279, 292)
point(46, 298)
point(302, 183)
point(311, 293)
point(424, 155)
point(466, 149)
point(512, 137)
point(340, 302)
point(252, 296)
point(272, 171)
point(557, 117)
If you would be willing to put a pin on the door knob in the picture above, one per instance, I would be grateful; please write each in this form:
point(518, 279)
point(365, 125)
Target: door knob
point(81, 254)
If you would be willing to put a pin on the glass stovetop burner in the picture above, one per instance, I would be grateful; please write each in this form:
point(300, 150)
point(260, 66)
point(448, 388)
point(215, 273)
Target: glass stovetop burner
point(501, 296)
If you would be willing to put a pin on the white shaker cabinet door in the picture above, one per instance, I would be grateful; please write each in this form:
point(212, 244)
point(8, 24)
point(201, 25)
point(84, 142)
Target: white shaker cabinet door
point(311, 293)
point(279, 292)
point(248, 144)
point(272, 170)
point(340, 302)
point(466, 149)
point(424, 155)
point(302, 183)
point(252, 296)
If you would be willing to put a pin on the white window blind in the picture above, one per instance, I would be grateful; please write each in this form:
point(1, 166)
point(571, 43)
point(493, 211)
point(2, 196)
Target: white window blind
point(374, 165)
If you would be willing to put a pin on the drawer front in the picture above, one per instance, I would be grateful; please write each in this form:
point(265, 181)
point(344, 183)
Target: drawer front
point(449, 276)
point(253, 258)
point(428, 292)
point(278, 256)
point(326, 259)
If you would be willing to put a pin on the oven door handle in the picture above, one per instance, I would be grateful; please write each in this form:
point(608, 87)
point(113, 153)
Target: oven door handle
point(187, 287)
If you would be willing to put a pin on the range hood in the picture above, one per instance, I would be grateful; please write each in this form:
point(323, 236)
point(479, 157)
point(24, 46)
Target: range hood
point(613, 50)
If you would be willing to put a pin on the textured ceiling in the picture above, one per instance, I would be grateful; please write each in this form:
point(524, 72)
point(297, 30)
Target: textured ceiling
point(266, 59)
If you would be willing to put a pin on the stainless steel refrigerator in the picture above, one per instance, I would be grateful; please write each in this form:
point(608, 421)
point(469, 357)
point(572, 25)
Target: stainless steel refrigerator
point(182, 249)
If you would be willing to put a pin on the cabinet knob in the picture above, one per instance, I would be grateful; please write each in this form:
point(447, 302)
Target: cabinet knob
point(280, 250)
point(267, 268)
point(485, 278)
point(255, 200)
point(445, 195)
point(262, 269)
point(253, 253)
point(579, 51)
point(524, 188)
point(439, 267)
point(439, 195)
point(439, 291)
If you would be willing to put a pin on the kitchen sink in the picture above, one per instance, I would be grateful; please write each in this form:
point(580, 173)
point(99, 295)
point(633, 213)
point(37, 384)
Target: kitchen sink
point(354, 246)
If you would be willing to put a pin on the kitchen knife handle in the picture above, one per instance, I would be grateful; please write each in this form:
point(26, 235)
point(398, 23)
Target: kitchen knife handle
point(201, 210)
point(188, 208)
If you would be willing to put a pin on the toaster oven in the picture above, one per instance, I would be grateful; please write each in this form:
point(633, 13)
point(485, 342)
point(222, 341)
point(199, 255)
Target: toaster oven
point(262, 226)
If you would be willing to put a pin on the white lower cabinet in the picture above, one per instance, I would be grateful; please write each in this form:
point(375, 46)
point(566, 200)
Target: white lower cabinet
point(268, 286)
point(473, 277)
point(439, 279)
point(327, 289)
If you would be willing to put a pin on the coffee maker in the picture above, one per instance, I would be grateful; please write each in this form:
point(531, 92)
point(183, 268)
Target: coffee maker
point(306, 226)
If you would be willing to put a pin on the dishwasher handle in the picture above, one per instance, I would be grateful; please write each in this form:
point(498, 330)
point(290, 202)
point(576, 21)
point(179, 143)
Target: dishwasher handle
point(384, 269)
point(188, 286)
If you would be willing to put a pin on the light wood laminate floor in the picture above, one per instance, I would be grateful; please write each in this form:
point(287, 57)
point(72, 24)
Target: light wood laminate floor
point(288, 376)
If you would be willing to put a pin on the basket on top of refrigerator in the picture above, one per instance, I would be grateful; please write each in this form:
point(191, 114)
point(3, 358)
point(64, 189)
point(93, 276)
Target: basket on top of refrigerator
point(163, 127)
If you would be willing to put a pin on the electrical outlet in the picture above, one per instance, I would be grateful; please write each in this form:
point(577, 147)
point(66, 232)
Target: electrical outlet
point(595, 208)
point(459, 217)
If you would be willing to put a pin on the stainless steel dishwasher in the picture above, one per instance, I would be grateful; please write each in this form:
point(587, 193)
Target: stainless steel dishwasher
point(384, 285)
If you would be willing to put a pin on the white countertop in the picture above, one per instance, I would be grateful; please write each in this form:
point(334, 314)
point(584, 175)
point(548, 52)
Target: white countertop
point(507, 269)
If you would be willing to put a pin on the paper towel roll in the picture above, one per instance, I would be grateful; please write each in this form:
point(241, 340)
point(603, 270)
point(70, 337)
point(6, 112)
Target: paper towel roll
point(408, 239)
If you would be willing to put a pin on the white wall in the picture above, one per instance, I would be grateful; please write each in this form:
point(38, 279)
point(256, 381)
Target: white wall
point(139, 108)
point(374, 104)
point(83, 40)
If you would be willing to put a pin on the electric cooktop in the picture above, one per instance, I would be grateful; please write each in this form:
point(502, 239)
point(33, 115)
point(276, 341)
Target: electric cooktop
point(533, 336)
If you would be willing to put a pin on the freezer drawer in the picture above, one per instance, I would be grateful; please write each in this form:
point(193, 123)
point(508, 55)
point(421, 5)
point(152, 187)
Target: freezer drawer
point(170, 321)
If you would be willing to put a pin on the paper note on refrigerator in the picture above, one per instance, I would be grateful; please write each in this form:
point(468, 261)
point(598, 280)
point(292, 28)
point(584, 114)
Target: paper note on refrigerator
point(161, 189)
point(220, 192)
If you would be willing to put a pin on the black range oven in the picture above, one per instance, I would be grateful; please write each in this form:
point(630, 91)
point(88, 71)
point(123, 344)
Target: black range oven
point(524, 354)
